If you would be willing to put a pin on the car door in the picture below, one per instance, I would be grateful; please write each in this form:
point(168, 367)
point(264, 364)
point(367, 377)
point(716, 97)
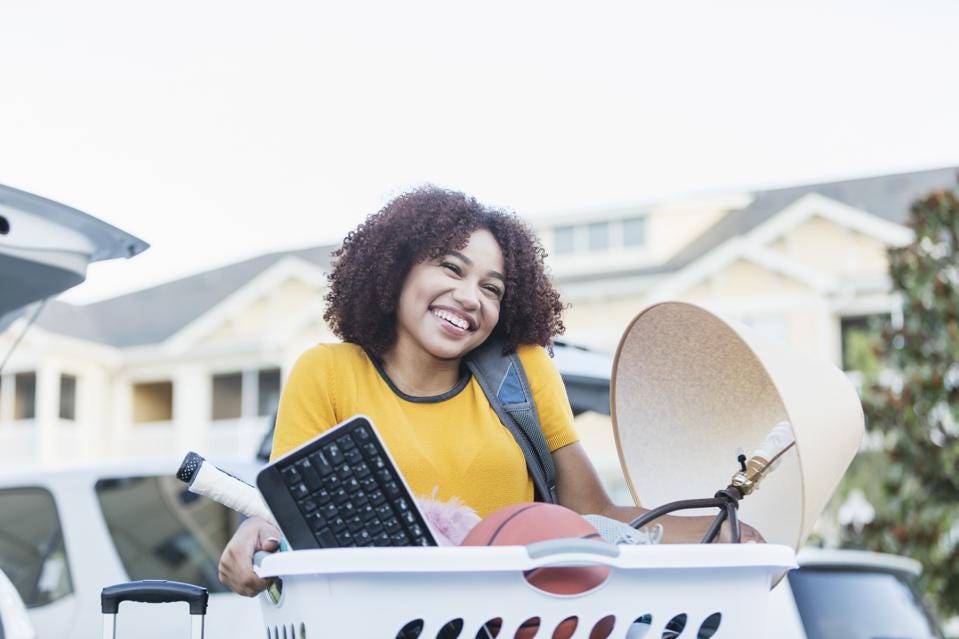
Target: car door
point(34, 557)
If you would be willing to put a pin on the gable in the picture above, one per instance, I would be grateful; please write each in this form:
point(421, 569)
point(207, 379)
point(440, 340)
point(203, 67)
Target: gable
point(276, 299)
point(263, 314)
point(745, 278)
point(825, 245)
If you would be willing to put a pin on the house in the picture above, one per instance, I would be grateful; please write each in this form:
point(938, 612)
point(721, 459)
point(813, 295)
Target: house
point(197, 363)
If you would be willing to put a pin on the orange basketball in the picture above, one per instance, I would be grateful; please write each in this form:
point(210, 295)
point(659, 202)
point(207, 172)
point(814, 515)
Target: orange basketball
point(523, 524)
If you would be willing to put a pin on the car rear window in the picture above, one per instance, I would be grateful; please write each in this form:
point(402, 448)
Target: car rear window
point(859, 604)
point(163, 531)
point(32, 553)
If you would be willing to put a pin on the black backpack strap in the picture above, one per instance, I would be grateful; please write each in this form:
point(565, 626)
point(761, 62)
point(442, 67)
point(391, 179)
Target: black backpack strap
point(504, 382)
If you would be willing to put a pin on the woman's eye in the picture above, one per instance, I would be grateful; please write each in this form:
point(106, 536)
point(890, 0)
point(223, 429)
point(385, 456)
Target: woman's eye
point(495, 290)
point(450, 267)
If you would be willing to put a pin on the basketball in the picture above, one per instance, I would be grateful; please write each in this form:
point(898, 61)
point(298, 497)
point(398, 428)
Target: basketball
point(523, 524)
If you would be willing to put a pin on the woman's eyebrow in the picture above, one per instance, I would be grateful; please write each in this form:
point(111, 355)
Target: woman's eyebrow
point(469, 262)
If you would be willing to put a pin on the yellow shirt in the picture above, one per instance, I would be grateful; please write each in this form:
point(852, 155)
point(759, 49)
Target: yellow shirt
point(452, 442)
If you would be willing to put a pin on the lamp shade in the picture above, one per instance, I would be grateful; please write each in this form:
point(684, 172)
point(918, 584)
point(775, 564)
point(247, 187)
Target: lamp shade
point(690, 391)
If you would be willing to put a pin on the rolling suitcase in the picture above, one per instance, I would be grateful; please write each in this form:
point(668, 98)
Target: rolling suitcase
point(153, 591)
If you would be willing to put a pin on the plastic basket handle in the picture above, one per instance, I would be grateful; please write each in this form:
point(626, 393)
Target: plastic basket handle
point(154, 591)
point(550, 547)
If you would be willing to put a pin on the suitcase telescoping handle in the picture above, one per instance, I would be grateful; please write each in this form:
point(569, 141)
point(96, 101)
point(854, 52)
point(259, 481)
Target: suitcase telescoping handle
point(153, 591)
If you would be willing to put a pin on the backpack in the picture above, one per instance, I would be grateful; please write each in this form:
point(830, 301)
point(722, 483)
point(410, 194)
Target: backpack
point(504, 382)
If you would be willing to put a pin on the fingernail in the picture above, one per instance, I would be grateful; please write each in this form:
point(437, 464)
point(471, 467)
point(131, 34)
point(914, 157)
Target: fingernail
point(273, 539)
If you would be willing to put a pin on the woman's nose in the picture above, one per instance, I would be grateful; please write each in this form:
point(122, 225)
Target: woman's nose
point(466, 295)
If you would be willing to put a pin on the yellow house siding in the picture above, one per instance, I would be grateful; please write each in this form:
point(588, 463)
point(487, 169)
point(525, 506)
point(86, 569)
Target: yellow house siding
point(264, 314)
point(822, 244)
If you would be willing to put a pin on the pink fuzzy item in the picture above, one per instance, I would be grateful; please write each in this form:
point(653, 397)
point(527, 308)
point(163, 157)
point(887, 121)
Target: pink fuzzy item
point(450, 520)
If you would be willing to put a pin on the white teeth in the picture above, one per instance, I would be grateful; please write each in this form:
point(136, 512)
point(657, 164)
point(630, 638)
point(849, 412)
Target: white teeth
point(452, 319)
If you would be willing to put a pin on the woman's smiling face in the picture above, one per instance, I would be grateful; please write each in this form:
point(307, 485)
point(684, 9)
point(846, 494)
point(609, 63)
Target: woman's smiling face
point(449, 305)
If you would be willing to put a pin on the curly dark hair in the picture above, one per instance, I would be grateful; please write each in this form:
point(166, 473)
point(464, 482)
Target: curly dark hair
point(371, 265)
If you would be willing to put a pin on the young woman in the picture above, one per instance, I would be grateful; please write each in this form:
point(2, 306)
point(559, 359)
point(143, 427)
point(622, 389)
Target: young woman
point(413, 290)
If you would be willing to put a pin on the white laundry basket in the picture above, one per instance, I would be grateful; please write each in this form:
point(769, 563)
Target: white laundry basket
point(377, 592)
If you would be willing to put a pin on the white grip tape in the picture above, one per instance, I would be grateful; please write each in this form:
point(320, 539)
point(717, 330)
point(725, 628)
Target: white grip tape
point(222, 488)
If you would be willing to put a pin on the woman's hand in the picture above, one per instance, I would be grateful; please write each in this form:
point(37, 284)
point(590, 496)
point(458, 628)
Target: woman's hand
point(691, 530)
point(236, 562)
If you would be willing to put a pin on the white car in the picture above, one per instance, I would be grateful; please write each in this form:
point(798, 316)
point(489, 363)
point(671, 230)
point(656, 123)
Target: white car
point(14, 622)
point(64, 535)
point(850, 594)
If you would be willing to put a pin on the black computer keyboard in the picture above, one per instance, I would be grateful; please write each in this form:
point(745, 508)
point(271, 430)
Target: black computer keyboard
point(342, 490)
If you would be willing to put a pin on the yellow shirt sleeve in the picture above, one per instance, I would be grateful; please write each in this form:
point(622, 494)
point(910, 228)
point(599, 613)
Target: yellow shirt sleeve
point(307, 402)
point(549, 395)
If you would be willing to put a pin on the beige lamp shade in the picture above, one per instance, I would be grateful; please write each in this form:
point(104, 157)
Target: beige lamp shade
point(690, 391)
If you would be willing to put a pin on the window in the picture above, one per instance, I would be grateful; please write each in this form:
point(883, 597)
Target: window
point(25, 396)
point(268, 391)
point(634, 231)
point(598, 236)
point(163, 531)
point(859, 603)
point(564, 239)
point(859, 336)
point(152, 402)
point(68, 397)
point(32, 553)
point(228, 396)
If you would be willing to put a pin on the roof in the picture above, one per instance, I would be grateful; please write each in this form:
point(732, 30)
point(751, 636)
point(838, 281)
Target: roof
point(886, 196)
point(155, 314)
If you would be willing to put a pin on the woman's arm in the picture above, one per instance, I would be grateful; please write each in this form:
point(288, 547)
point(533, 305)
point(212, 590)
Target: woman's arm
point(580, 488)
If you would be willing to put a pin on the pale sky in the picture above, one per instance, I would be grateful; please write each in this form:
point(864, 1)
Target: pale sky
point(217, 130)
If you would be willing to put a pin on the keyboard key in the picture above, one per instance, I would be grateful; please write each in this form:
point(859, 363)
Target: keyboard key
point(377, 497)
point(321, 496)
point(315, 521)
point(368, 484)
point(327, 538)
point(363, 538)
point(421, 541)
point(346, 442)
point(377, 463)
point(347, 509)
point(416, 530)
point(375, 526)
point(371, 450)
point(382, 539)
point(401, 505)
point(345, 537)
point(366, 511)
point(291, 475)
point(329, 510)
point(385, 511)
point(354, 523)
point(400, 539)
point(361, 470)
point(334, 454)
point(310, 476)
point(361, 434)
point(384, 476)
point(331, 482)
point(321, 463)
point(408, 517)
point(392, 525)
point(307, 505)
point(338, 524)
point(299, 491)
point(359, 500)
point(353, 457)
point(352, 485)
point(340, 496)
point(344, 471)
point(392, 489)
